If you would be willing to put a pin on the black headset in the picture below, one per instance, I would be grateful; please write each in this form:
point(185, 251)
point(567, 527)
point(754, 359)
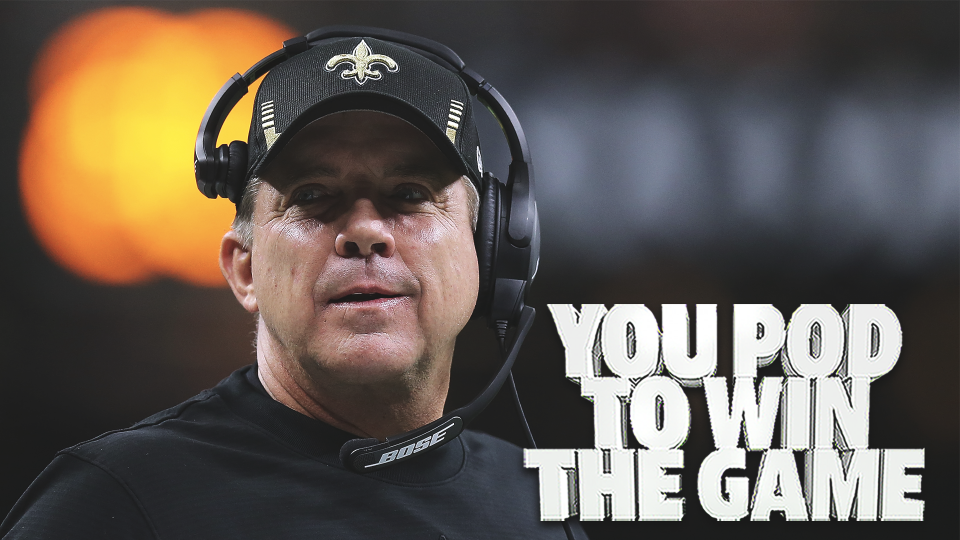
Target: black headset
point(507, 236)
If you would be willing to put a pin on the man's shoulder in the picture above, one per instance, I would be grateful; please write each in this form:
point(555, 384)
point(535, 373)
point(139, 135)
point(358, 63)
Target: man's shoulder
point(181, 431)
point(181, 426)
point(99, 488)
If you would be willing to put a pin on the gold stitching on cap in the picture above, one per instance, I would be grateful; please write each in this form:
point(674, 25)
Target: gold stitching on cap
point(266, 122)
point(361, 59)
point(453, 124)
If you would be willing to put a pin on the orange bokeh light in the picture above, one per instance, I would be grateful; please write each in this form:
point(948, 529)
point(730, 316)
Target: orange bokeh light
point(106, 162)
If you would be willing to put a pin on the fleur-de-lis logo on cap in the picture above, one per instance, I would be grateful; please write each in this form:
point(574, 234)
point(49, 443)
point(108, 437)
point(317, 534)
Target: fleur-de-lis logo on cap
point(362, 60)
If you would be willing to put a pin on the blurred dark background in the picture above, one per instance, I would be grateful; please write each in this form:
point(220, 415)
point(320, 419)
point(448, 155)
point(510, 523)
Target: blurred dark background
point(715, 152)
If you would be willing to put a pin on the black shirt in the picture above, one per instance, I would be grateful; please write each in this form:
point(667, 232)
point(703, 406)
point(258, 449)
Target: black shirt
point(233, 463)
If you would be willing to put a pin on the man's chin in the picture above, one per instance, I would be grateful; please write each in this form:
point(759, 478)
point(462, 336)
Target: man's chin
point(371, 359)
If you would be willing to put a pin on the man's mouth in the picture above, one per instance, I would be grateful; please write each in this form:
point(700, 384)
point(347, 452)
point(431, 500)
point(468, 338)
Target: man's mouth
point(362, 297)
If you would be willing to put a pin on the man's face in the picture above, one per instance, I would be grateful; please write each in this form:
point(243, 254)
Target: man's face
point(363, 261)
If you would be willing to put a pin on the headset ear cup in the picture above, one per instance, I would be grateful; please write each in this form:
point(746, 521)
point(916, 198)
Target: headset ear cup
point(236, 171)
point(485, 238)
point(223, 163)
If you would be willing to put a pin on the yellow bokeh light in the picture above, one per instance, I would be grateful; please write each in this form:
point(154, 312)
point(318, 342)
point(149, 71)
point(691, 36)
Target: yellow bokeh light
point(106, 163)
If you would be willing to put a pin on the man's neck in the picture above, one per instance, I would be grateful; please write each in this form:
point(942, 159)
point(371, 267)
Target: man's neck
point(367, 411)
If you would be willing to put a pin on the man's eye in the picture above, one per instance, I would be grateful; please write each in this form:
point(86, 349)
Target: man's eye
point(307, 195)
point(410, 194)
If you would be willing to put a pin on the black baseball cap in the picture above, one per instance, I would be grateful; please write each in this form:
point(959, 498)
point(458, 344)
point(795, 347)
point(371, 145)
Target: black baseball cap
point(363, 73)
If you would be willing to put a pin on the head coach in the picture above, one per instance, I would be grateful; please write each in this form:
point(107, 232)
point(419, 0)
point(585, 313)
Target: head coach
point(367, 234)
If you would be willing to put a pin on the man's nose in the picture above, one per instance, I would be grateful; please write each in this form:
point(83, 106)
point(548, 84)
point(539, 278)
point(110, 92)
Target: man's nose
point(365, 232)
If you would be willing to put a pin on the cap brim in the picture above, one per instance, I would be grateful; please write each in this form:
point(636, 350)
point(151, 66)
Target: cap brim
point(365, 102)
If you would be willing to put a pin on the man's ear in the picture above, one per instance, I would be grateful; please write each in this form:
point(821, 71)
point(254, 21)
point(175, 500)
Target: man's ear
point(237, 268)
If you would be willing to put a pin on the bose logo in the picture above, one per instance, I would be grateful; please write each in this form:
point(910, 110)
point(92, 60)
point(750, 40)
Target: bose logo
point(412, 448)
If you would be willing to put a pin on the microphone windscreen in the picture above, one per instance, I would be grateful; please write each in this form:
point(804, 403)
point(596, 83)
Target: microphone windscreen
point(351, 445)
